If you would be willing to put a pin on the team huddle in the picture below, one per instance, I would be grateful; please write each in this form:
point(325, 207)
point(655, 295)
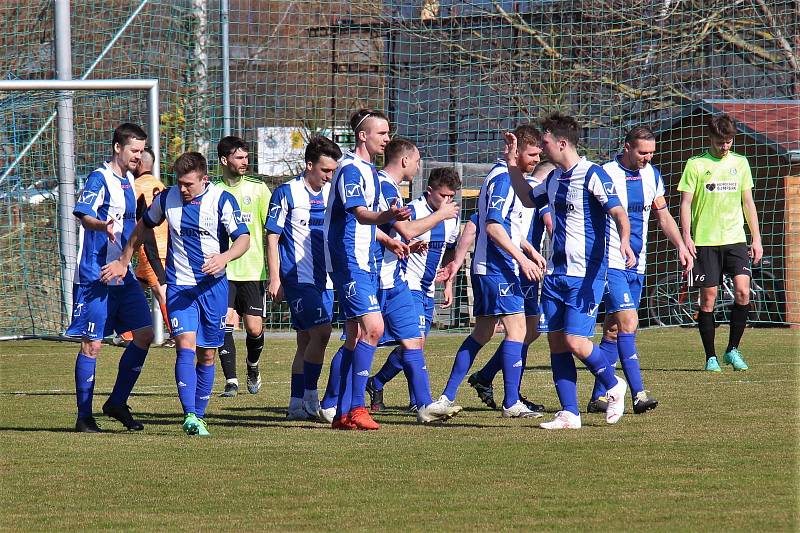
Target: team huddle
point(340, 230)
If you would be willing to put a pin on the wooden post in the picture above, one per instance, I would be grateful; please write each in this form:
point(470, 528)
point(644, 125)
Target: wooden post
point(791, 248)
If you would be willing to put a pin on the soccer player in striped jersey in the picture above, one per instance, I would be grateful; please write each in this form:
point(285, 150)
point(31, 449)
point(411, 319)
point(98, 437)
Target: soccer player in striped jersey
point(641, 190)
point(202, 220)
point(535, 220)
point(351, 218)
point(497, 265)
point(580, 194)
point(106, 208)
point(296, 259)
point(248, 273)
point(403, 311)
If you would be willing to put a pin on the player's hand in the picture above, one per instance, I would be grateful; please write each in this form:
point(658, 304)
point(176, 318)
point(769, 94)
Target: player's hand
point(536, 257)
point(113, 272)
point(510, 152)
point(690, 246)
point(530, 270)
point(214, 264)
point(447, 296)
point(110, 230)
point(275, 290)
point(687, 261)
point(627, 252)
point(399, 213)
point(446, 273)
point(448, 210)
point(418, 247)
point(400, 249)
point(756, 251)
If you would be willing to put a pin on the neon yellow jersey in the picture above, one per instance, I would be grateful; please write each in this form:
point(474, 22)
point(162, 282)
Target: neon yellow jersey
point(717, 186)
point(253, 198)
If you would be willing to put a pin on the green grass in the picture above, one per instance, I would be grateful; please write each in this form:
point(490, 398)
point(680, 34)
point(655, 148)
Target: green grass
point(720, 452)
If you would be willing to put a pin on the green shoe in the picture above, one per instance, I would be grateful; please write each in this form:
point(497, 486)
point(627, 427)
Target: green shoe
point(712, 365)
point(202, 430)
point(191, 425)
point(734, 358)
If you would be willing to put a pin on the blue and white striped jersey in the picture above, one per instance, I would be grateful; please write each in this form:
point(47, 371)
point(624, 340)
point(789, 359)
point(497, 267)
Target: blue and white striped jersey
point(579, 199)
point(297, 214)
point(106, 196)
point(497, 203)
point(349, 245)
point(420, 269)
point(197, 229)
point(391, 269)
point(532, 222)
point(637, 190)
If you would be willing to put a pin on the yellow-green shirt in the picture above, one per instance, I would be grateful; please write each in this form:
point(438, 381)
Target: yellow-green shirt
point(253, 198)
point(717, 186)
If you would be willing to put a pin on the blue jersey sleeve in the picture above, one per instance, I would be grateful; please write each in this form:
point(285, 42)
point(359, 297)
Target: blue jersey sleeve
point(499, 201)
point(155, 214)
point(389, 196)
point(231, 217)
point(91, 197)
point(474, 218)
point(600, 184)
point(352, 188)
point(278, 211)
point(538, 194)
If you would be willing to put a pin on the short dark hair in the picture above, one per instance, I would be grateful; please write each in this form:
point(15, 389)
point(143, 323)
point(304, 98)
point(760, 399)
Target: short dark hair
point(397, 148)
point(527, 135)
point(639, 133)
point(541, 166)
point(190, 162)
point(359, 118)
point(563, 126)
point(149, 151)
point(319, 146)
point(722, 126)
point(227, 145)
point(127, 131)
point(444, 177)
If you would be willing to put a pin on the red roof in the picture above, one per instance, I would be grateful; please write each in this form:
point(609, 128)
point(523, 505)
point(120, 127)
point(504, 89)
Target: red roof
point(778, 120)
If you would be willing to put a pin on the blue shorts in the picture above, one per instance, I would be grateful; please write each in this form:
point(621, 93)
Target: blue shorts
point(623, 290)
point(309, 305)
point(98, 310)
point(357, 292)
point(401, 320)
point(570, 304)
point(200, 309)
point(495, 295)
point(425, 309)
point(530, 292)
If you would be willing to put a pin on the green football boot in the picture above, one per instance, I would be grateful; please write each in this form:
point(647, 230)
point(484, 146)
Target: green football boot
point(712, 365)
point(191, 425)
point(734, 358)
point(202, 430)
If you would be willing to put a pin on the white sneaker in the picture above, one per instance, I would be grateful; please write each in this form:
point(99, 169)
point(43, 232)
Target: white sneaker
point(520, 410)
point(616, 401)
point(436, 411)
point(311, 403)
point(297, 413)
point(449, 403)
point(563, 420)
point(326, 415)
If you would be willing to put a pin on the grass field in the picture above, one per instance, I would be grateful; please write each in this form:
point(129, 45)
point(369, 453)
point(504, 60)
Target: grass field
point(719, 454)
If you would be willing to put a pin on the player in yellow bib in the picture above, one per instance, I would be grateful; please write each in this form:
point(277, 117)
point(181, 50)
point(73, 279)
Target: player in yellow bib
point(247, 275)
point(716, 199)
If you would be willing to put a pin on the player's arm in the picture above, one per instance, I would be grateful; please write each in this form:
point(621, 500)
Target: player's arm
point(496, 232)
point(216, 263)
point(89, 199)
point(274, 266)
point(532, 254)
point(119, 268)
point(751, 215)
point(277, 211)
point(623, 224)
point(521, 186)
point(399, 248)
point(464, 245)
point(447, 295)
point(547, 219)
point(686, 222)
point(671, 231)
point(369, 217)
point(408, 229)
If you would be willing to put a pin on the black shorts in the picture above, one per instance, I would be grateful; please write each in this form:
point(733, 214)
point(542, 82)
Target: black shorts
point(247, 297)
point(712, 261)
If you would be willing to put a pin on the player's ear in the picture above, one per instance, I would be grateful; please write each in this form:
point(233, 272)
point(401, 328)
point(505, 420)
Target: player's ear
point(309, 166)
point(117, 148)
point(224, 161)
point(362, 136)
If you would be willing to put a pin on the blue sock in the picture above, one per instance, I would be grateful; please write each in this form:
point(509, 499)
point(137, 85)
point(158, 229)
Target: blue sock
point(331, 396)
point(84, 384)
point(345, 400)
point(524, 356)
point(609, 350)
point(392, 367)
point(512, 371)
point(362, 364)
point(565, 378)
point(412, 398)
point(186, 379)
point(311, 372)
point(598, 365)
point(205, 384)
point(297, 386)
point(417, 372)
point(461, 365)
point(130, 367)
point(492, 366)
point(630, 362)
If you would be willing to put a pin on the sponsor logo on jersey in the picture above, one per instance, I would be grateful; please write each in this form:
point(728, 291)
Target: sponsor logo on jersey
point(246, 200)
point(274, 211)
point(353, 190)
point(496, 202)
point(192, 232)
point(87, 197)
point(247, 217)
point(505, 289)
point(237, 217)
point(610, 189)
point(722, 186)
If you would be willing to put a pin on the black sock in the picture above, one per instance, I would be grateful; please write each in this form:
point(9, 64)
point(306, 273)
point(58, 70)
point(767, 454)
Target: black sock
point(738, 323)
point(705, 323)
point(254, 347)
point(227, 354)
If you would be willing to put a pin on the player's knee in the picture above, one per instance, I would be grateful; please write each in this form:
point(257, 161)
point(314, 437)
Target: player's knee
point(91, 348)
point(580, 346)
point(628, 325)
point(143, 337)
point(742, 297)
point(610, 330)
point(205, 356)
point(372, 333)
point(531, 335)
